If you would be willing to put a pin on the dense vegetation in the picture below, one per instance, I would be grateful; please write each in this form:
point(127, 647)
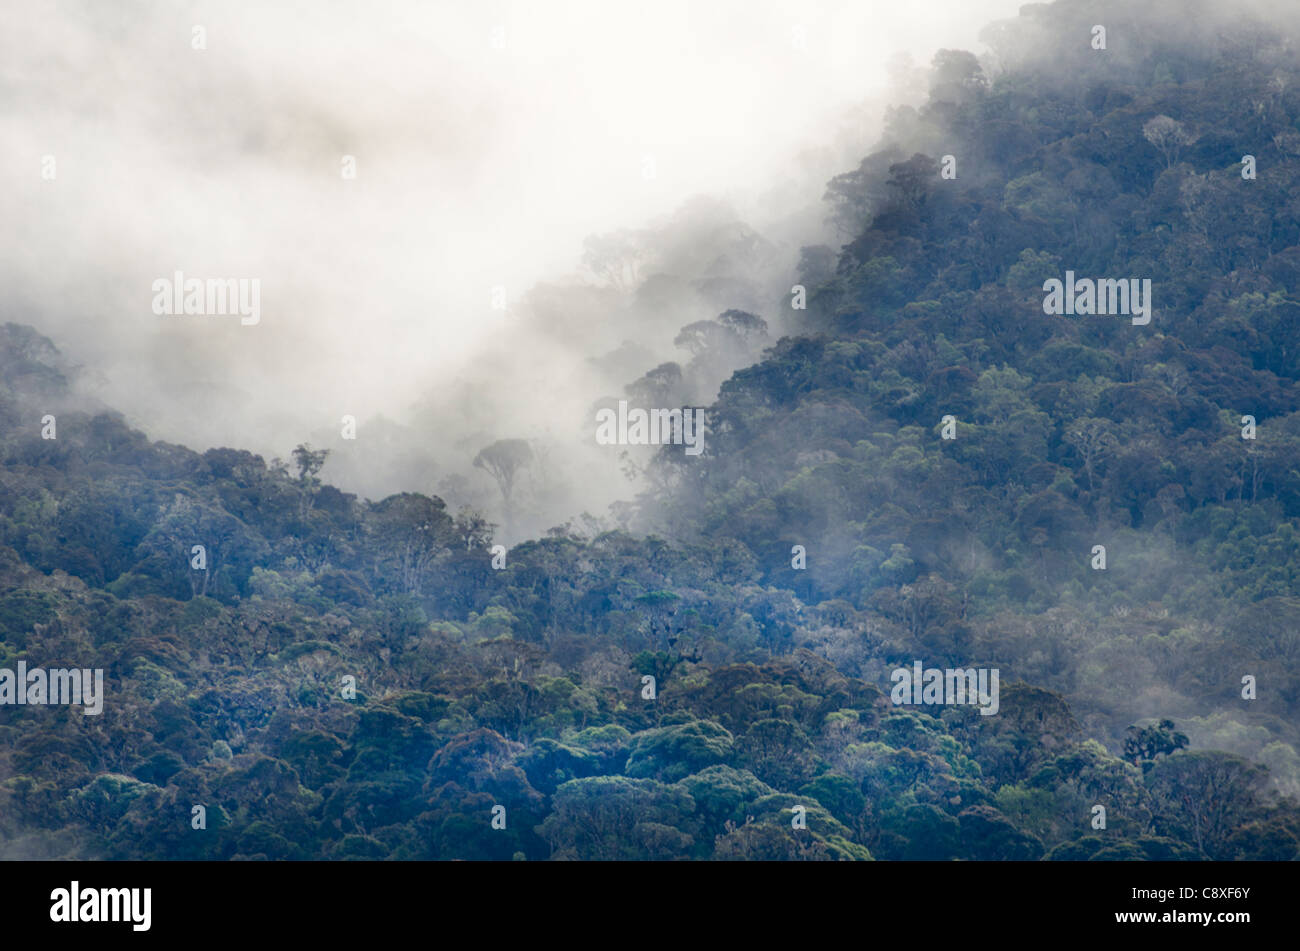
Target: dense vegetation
point(522, 687)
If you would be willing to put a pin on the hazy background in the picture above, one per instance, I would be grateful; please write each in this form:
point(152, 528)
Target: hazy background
point(477, 166)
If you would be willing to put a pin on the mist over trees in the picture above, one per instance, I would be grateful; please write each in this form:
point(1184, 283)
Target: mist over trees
point(919, 466)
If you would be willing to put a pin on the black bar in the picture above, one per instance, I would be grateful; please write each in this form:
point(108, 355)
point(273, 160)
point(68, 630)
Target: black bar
point(350, 900)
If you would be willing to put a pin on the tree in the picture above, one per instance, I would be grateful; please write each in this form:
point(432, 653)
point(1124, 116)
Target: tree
point(1144, 744)
point(616, 257)
point(855, 196)
point(778, 752)
point(1168, 135)
point(600, 818)
point(989, 836)
point(955, 76)
point(748, 326)
point(1203, 797)
point(658, 387)
point(503, 460)
point(704, 336)
point(1093, 439)
point(309, 464)
point(672, 752)
point(914, 179)
point(229, 546)
point(411, 534)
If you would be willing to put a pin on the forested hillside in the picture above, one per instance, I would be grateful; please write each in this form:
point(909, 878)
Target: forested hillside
point(962, 542)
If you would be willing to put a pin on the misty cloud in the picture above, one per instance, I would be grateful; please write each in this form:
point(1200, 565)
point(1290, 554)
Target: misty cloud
point(476, 168)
